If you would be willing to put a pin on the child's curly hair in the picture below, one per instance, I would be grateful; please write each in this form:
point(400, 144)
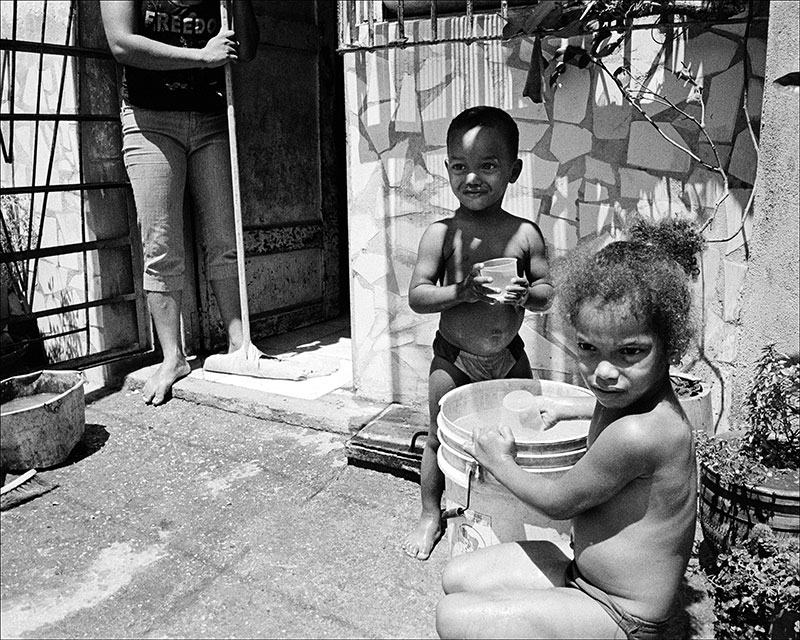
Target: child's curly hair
point(649, 272)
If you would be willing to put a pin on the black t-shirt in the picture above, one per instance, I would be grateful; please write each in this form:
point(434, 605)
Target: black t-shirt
point(181, 23)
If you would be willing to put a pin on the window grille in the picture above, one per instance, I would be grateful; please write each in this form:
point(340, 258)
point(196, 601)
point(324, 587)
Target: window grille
point(377, 24)
point(68, 252)
point(381, 24)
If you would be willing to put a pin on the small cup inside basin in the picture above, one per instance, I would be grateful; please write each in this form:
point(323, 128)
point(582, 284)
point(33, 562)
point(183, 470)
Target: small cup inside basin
point(481, 402)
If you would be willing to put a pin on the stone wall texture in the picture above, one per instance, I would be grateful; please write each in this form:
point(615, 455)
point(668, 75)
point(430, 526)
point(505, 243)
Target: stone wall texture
point(590, 161)
point(769, 296)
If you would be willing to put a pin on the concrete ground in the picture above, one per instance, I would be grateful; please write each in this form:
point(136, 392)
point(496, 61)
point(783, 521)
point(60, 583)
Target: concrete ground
point(231, 511)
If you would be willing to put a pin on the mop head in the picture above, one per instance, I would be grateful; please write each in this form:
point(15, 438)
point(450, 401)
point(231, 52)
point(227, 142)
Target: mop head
point(252, 362)
point(26, 487)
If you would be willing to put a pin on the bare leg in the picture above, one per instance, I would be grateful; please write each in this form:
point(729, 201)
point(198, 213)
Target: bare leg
point(516, 590)
point(423, 538)
point(524, 613)
point(421, 541)
point(165, 308)
point(530, 564)
point(226, 293)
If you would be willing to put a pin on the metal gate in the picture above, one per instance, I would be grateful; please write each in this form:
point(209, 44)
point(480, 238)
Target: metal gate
point(70, 295)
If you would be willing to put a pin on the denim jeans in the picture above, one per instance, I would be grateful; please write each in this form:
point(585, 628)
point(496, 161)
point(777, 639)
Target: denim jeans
point(165, 152)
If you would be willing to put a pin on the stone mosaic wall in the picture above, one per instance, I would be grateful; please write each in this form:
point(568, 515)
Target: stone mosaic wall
point(589, 161)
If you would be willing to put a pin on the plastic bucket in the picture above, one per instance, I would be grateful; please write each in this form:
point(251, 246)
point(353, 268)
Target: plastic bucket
point(43, 417)
point(492, 513)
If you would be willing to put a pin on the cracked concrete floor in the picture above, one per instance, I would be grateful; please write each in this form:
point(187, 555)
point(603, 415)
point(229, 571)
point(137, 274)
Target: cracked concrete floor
point(189, 521)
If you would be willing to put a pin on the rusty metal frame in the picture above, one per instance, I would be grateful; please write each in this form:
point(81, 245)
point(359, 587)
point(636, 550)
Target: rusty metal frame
point(139, 342)
point(355, 14)
point(350, 17)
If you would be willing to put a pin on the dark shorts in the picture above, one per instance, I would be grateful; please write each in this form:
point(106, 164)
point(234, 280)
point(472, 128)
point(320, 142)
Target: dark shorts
point(464, 367)
point(634, 628)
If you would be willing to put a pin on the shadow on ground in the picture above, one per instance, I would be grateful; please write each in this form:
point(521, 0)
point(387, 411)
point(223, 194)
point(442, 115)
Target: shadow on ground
point(94, 438)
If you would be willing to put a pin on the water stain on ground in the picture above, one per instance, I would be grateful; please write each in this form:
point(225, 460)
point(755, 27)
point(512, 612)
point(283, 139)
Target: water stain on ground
point(113, 569)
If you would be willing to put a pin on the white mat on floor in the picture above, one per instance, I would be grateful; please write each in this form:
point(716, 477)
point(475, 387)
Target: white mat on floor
point(309, 389)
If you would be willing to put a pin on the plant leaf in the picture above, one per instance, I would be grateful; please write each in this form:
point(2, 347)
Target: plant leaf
point(545, 15)
point(533, 83)
point(601, 36)
point(560, 67)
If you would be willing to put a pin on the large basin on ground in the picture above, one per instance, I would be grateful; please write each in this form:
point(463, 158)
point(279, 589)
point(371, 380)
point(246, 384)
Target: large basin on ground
point(43, 417)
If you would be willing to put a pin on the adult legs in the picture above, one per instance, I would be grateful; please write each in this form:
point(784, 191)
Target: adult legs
point(419, 543)
point(155, 159)
point(165, 309)
point(209, 176)
point(226, 292)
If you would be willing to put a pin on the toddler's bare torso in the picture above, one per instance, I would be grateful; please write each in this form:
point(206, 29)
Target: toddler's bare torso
point(481, 328)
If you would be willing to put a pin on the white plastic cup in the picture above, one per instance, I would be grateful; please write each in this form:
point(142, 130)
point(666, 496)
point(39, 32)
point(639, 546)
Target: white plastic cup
point(520, 413)
point(502, 271)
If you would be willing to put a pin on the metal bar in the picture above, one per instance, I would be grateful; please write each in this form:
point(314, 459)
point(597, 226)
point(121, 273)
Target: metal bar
point(371, 23)
point(64, 187)
point(128, 297)
point(13, 96)
point(351, 19)
point(104, 357)
point(63, 250)
point(35, 155)
point(340, 23)
point(473, 471)
point(5, 64)
point(59, 117)
point(398, 44)
point(49, 336)
point(28, 46)
point(434, 22)
point(401, 24)
point(51, 160)
point(84, 225)
point(83, 362)
point(544, 33)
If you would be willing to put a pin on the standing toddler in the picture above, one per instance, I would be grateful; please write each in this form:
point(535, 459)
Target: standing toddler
point(478, 335)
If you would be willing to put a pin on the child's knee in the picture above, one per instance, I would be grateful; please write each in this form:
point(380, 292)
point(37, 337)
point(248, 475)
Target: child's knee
point(455, 577)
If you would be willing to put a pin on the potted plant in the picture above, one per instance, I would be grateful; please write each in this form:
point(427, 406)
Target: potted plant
point(756, 588)
point(750, 476)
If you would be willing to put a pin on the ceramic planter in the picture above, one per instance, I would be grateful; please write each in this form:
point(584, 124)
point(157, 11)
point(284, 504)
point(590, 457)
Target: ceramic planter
point(728, 511)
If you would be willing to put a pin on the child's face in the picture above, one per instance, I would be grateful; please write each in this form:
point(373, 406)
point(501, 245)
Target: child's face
point(480, 166)
point(619, 356)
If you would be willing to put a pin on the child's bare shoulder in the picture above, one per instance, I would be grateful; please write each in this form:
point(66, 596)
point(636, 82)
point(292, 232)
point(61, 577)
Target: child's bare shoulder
point(656, 432)
point(439, 228)
point(529, 231)
point(523, 224)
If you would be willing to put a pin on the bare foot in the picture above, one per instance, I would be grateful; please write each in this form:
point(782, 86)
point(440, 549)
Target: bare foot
point(421, 541)
point(159, 385)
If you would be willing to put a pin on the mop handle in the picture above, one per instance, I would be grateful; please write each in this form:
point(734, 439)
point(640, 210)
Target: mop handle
point(227, 23)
